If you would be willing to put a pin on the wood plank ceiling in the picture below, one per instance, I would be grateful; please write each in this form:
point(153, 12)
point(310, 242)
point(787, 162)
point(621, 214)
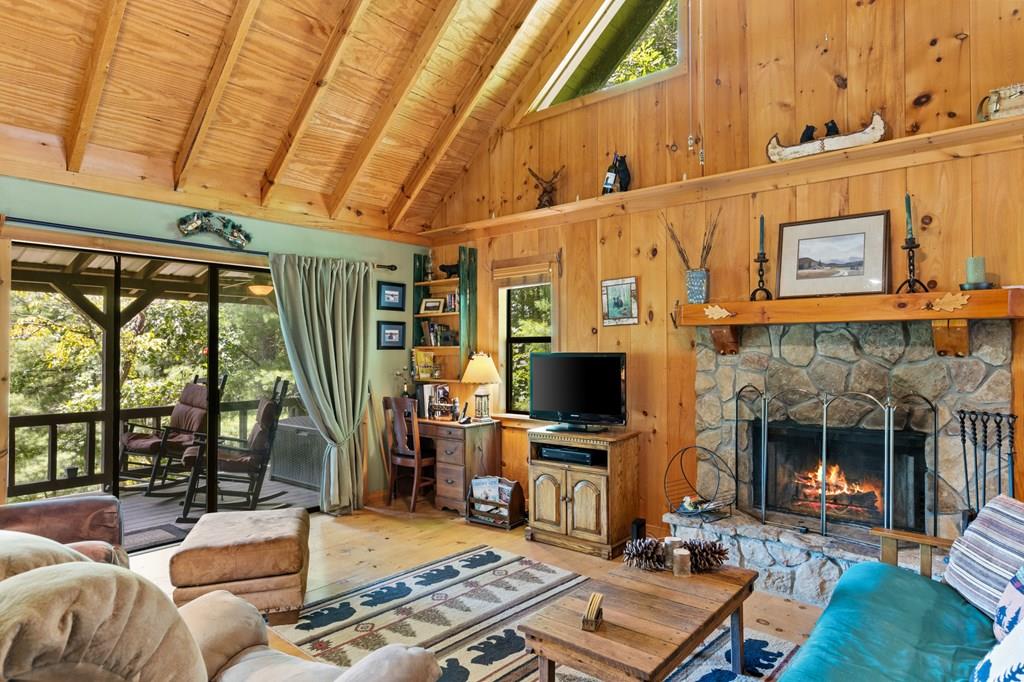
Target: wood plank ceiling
point(354, 115)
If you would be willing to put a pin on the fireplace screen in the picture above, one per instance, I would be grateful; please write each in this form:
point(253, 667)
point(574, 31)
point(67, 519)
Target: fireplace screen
point(854, 477)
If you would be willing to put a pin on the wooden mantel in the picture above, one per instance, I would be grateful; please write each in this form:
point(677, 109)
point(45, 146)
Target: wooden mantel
point(948, 312)
point(991, 304)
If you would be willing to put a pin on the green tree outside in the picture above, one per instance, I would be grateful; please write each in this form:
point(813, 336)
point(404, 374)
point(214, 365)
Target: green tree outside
point(656, 49)
point(529, 311)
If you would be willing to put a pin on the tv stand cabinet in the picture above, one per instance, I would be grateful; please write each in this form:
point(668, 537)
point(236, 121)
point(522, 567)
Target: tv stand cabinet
point(583, 508)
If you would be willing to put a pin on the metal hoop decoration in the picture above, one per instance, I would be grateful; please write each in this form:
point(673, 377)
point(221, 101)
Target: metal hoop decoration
point(717, 501)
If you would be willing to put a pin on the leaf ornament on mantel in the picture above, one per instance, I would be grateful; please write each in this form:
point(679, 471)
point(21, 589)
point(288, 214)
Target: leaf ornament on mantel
point(948, 302)
point(716, 312)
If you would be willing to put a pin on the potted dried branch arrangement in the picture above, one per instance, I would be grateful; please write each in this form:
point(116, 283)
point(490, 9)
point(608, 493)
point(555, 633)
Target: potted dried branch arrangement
point(697, 278)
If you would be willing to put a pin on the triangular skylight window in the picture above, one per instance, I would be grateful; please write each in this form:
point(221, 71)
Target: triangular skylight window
point(626, 40)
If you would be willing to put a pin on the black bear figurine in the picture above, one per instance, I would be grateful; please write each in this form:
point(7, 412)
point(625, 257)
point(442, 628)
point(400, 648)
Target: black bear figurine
point(808, 134)
point(622, 170)
point(831, 129)
point(450, 270)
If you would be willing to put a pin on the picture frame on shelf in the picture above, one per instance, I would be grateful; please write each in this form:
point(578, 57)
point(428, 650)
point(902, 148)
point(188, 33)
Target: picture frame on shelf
point(391, 296)
point(841, 256)
point(390, 335)
point(619, 304)
point(431, 305)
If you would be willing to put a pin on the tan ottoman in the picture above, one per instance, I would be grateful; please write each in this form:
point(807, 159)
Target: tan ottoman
point(261, 556)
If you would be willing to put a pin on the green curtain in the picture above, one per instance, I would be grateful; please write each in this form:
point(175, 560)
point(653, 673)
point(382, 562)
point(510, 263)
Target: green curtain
point(324, 306)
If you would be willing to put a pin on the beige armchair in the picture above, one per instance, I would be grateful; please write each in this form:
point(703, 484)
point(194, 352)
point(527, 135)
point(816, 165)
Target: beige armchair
point(65, 617)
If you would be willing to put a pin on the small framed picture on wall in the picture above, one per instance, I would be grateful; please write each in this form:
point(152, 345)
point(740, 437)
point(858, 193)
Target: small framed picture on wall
point(619, 301)
point(390, 296)
point(390, 335)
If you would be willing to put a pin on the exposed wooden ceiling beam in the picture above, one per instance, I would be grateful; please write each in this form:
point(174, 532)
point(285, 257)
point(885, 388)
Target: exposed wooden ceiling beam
point(216, 83)
point(453, 125)
point(439, 22)
point(580, 14)
point(569, 30)
point(107, 27)
point(81, 262)
point(34, 155)
point(316, 88)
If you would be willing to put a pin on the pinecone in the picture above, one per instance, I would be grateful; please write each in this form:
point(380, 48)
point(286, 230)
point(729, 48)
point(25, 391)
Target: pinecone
point(644, 553)
point(705, 555)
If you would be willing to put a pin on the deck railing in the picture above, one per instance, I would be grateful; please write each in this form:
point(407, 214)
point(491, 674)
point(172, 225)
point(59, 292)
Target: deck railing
point(93, 474)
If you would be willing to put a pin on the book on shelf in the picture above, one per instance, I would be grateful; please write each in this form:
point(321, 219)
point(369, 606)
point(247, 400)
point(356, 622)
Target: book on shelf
point(451, 302)
point(423, 363)
point(437, 334)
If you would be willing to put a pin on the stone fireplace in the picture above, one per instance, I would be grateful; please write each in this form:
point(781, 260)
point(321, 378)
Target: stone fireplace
point(800, 363)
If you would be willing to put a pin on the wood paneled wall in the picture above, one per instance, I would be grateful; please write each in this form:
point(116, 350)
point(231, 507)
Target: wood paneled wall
point(764, 67)
point(761, 68)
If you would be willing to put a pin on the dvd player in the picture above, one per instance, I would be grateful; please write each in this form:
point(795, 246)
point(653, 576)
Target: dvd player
point(559, 453)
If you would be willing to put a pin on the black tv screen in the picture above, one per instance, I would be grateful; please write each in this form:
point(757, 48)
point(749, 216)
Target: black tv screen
point(578, 388)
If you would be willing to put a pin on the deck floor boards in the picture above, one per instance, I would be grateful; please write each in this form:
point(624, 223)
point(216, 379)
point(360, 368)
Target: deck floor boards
point(141, 512)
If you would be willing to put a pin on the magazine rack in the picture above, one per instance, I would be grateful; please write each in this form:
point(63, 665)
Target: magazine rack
point(498, 513)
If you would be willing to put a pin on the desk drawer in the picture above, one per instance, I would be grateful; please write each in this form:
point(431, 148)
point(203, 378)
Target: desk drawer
point(438, 431)
point(450, 451)
point(451, 481)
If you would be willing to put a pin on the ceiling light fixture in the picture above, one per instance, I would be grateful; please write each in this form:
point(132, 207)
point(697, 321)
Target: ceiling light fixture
point(260, 289)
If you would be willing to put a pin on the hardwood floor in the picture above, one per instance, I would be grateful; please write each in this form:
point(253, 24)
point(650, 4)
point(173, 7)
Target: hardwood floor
point(349, 551)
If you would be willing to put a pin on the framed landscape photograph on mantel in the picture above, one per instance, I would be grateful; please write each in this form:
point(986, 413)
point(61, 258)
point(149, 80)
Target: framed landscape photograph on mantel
point(834, 256)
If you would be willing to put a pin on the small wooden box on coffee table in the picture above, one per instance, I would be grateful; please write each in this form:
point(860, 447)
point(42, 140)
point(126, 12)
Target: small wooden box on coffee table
point(652, 623)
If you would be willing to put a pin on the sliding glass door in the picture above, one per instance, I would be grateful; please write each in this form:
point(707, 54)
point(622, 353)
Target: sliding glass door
point(125, 369)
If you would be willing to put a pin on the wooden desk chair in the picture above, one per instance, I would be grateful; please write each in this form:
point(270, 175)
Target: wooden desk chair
point(404, 447)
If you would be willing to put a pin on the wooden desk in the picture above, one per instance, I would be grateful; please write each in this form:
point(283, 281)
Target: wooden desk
point(463, 451)
point(652, 623)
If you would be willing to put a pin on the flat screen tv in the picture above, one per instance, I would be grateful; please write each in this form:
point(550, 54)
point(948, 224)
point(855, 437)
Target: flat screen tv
point(578, 390)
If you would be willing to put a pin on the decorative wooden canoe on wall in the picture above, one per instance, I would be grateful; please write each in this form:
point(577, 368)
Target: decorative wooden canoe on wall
point(873, 133)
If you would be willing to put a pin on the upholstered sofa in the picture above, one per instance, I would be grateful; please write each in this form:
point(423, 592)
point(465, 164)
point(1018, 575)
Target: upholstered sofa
point(884, 623)
point(63, 616)
point(89, 524)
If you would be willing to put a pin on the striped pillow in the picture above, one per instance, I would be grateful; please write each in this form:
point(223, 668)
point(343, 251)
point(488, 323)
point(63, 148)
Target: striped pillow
point(982, 561)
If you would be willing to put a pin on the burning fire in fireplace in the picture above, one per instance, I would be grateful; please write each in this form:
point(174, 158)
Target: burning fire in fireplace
point(855, 499)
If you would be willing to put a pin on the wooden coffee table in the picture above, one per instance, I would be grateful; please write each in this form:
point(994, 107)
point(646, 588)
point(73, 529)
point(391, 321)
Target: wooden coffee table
point(652, 623)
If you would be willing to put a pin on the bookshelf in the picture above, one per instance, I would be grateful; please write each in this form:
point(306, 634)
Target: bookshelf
point(452, 357)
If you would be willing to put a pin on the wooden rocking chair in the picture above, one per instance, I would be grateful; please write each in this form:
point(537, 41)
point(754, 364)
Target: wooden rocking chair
point(151, 453)
point(238, 461)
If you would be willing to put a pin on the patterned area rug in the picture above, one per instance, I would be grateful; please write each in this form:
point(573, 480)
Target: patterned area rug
point(466, 607)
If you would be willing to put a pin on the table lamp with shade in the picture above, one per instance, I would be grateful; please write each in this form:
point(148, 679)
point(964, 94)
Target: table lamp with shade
point(481, 370)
